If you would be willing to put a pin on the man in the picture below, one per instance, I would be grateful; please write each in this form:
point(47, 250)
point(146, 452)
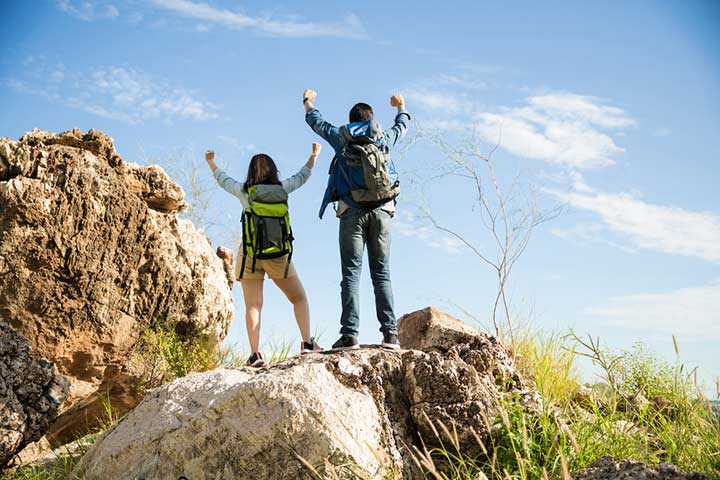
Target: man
point(365, 210)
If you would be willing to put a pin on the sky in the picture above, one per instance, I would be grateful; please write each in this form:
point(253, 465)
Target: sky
point(607, 111)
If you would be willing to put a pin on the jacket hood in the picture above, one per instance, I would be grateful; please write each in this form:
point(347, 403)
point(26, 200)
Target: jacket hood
point(363, 129)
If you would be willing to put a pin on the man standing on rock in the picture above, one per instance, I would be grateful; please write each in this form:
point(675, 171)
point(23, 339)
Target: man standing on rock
point(363, 183)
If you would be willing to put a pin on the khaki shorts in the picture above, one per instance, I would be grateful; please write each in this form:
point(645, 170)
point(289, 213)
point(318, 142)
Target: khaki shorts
point(274, 267)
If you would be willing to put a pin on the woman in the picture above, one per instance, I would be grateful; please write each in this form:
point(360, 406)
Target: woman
point(262, 171)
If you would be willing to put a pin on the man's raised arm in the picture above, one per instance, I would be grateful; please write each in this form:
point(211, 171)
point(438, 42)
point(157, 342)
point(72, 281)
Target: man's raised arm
point(326, 130)
point(402, 119)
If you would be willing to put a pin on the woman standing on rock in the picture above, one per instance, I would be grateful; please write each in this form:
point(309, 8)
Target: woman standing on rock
point(264, 198)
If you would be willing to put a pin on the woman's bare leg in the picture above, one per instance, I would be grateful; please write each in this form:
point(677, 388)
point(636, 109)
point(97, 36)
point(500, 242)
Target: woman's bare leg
point(294, 291)
point(253, 294)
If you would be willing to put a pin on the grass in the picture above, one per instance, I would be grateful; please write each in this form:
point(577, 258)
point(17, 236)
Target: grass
point(164, 355)
point(646, 410)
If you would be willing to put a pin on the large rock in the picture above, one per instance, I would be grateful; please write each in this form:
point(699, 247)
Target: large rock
point(30, 394)
point(607, 468)
point(92, 253)
point(432, 329)
point(359, 413)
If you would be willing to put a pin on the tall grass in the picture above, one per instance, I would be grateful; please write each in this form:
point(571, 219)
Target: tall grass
point(643, 409)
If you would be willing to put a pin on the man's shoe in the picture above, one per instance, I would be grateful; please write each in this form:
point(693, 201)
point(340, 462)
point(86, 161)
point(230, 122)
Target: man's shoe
point(390, 340)
point(346, 343)
point(309, 347)
point(255, 360)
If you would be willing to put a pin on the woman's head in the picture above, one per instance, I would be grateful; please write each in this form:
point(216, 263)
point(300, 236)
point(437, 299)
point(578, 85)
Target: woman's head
point(262, 170)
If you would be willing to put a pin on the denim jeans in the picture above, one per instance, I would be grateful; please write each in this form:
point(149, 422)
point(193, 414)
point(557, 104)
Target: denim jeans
point(359, 228)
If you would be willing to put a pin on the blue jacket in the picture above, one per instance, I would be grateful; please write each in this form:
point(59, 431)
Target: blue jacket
point(337, 185)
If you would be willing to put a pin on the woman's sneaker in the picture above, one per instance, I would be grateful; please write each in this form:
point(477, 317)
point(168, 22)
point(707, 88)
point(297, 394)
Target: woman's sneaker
point(255, 360)
point(390, 340)
point(309, 347)
point(346, 343)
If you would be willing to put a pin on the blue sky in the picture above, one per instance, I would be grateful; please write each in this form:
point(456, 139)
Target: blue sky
point(609, 109)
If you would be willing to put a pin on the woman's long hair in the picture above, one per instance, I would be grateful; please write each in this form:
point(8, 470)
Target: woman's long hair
point(262, 170)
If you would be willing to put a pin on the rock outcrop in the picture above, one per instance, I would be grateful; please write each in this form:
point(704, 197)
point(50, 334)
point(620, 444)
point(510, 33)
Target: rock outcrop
point(92, 253)
point(357, 413)
point(30, 394)
point(607, 468)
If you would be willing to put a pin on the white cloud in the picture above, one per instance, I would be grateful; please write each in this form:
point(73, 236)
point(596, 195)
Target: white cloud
point(235, 143)
point(350, 27)
point(119, 93)
point(430, 99)
point(590, 233)
point(574, 108)
point(650, 226)
point(692, 312)
point(429, 235)
point(88, 10)
point(445, 93)
point(561, 128)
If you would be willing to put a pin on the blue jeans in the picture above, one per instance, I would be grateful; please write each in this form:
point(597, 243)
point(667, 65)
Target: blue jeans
point(359, 228)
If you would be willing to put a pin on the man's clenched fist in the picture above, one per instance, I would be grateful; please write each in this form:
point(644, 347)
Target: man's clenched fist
point(310, 95)
point(397, 100)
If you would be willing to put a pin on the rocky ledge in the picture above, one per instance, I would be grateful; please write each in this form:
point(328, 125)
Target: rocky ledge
point(355, 413)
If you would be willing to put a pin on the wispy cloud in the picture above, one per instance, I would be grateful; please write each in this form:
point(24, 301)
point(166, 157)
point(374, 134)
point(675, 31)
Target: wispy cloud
point(447, 93)
point(350, 27)
point(88, 10)
point(235, 143)
point(649, 226)
point(437, 100)
point(692, 312)
point(121, 93)
point(428, 235)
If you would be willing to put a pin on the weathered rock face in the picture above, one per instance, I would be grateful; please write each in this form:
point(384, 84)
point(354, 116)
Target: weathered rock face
point(607, 468)
point(365, 409)
point(91, 254)
point(30, 394)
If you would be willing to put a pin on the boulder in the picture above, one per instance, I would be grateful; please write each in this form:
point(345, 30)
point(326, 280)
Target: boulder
point(31, 392)
point(92, 254)
point(609, 468)
point(360, 413)
point(246, 424)
point(430, 328)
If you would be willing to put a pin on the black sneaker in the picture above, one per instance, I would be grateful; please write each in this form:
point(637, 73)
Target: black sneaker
point(346, 343)
point(390, 340)
point(255, 360)
point(309, 347)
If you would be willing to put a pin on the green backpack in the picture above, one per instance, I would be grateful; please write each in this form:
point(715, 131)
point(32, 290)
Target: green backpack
point(266, 226)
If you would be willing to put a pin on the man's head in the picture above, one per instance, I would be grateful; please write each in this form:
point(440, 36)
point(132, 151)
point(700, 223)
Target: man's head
point(361, 112)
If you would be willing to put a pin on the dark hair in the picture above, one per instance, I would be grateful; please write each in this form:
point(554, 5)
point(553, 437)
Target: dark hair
point(361, 112)
point(262, 170)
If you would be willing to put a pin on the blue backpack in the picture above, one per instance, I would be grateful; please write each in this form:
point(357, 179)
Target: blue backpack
point(360, 173)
